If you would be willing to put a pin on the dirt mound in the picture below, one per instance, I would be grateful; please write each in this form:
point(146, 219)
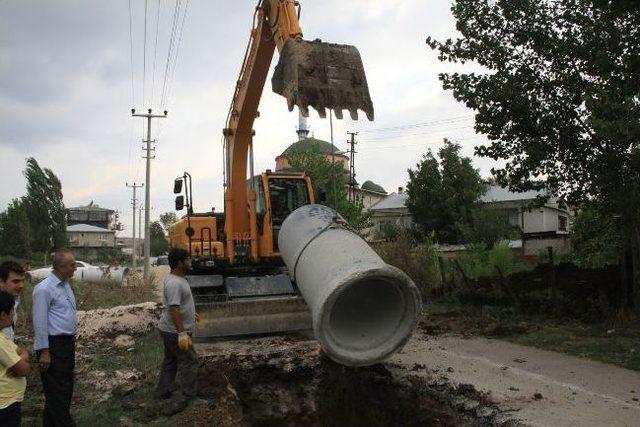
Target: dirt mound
point(133, 320)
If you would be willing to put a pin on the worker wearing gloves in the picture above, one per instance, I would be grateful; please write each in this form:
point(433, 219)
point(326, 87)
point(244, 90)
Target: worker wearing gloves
point(176, 325)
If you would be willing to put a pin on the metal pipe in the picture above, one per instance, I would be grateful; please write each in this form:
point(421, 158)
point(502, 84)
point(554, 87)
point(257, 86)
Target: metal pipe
point(363, 309)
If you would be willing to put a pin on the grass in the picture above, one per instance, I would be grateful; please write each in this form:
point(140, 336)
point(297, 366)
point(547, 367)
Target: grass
point(145, 357)
point(597, 341)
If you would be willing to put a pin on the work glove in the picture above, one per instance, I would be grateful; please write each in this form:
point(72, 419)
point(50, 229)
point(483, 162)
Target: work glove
point(197, 318)
point(184, 341)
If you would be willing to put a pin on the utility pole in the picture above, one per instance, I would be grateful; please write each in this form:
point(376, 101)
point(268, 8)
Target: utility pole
point(140, 224)
point(352, 167)
point(133, 232)
point(147, 194)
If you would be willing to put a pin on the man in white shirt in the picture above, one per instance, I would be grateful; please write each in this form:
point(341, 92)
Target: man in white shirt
point(12, 281)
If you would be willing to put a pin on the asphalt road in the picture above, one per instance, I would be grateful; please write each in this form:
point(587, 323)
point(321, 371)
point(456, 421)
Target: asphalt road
point(572, 391)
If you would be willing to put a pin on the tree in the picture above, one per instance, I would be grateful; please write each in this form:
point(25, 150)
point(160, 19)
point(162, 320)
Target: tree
point(167, 219)
point(45, 208)
point(328, 178)
point(159, 243)
point(443, 194)
point(595, 237)
point(488, 225)
point(15, 233)
point(559, 102)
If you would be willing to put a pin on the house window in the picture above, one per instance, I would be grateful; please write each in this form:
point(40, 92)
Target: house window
point(103, 237)
point(562, 223)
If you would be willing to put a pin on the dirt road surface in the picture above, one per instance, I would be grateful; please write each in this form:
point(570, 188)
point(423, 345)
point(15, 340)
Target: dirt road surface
point(541, 388)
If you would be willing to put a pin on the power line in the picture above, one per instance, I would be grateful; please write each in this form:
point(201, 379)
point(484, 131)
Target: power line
point(169, 51)
point(144, 54)
point(405, 135)
point(133, 98)
point(176, 55)
point(418, 125)
point(155, 55)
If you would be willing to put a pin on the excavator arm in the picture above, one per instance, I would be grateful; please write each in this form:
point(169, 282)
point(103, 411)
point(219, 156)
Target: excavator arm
point(316, 74)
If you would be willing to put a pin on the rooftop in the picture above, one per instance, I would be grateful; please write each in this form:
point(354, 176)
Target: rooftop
point(372, 186)
point(495, 193)
point(86, 228)
point(90, 207)
point(392, 201)
point(307, 144)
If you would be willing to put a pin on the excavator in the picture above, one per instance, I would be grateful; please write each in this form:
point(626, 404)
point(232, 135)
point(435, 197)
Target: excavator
point(239, 281)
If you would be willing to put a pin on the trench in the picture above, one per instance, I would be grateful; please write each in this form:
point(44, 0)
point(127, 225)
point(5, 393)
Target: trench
point(321, 393)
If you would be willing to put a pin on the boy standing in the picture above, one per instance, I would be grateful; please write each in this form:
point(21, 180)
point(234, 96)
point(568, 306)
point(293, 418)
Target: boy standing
point(11, 281)
point(14, 367)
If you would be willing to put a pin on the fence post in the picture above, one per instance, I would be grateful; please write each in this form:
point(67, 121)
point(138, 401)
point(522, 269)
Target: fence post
point(443, 276)
point(552, 275)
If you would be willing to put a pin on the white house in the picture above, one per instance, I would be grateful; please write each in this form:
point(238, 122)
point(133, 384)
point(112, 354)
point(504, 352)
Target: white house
point(541, 226)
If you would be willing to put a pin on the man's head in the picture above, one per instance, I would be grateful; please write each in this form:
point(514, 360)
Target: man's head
point(179, 260)
point(64, 264)
point(11, 278)
point(7, 301)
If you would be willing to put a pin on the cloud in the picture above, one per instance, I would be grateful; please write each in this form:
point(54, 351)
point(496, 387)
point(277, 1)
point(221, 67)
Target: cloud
point(66, 93)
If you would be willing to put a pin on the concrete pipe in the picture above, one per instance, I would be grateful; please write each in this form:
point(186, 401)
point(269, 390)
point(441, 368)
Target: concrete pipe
point(363, 309)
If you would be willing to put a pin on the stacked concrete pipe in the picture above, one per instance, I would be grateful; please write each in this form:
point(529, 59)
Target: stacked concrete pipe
point(363, 309)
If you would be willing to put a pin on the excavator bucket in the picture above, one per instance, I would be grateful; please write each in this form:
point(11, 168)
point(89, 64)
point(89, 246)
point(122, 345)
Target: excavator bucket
point(322, 75)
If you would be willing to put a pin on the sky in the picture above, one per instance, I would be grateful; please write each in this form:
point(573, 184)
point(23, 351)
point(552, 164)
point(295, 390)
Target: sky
point(72, 70)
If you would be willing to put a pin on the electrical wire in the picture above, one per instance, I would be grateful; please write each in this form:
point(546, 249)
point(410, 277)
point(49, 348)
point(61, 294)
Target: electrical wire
point(169, 52)
point(133, 93)
point(155, 55)
point(177, 52)
point(144, 53)
point(419, 125)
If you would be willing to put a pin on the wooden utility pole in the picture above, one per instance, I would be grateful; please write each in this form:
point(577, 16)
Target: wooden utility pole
point(147, 198)
point(352, 167)
point(134, 202)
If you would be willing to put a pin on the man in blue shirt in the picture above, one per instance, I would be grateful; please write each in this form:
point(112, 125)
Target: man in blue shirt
point(55, 325)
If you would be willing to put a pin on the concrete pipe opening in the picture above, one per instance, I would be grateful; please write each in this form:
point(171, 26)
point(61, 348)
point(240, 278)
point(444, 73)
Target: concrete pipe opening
point(367, 319)
point(363, 309)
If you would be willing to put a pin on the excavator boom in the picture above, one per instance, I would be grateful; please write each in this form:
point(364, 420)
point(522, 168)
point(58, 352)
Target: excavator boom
point(243, 287)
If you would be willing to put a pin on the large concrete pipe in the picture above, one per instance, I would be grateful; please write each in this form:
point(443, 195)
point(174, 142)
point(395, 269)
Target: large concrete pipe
point(363, 309)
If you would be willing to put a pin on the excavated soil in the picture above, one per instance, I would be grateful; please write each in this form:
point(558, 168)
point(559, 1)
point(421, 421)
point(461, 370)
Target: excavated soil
point(286, 382)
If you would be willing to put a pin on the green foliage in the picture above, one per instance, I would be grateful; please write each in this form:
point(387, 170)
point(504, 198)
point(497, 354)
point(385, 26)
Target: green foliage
point(560, 98)
point(488, 226)
point(167, 219)
point(329, 178)
point(15, 233)
point(159, 243)
point(595, 238)
point(479, 261)
point(45, 208)
point(418, 261)
point(442, 195)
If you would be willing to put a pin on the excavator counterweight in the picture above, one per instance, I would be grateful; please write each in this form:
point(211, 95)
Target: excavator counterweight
point(322, 75)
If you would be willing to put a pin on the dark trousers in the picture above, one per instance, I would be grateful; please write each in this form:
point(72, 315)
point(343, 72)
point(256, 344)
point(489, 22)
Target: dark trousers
point(11, 415)
point(184, 363)
point(57, 381)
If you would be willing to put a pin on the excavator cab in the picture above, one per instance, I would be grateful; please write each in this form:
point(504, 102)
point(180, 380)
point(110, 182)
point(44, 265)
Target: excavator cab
point(285, 196)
